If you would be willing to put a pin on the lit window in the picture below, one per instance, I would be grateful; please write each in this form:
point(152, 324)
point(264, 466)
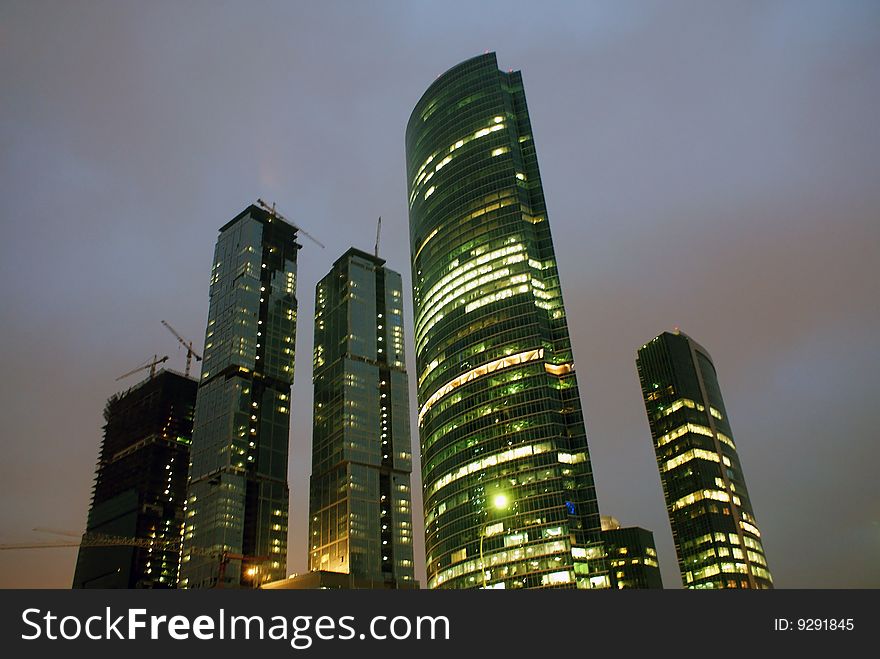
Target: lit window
point(504, 362)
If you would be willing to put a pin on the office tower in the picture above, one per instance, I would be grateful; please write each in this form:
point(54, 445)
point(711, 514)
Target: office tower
point(508, 488)
point(632, 556)
point(716, 536)
point(237, 502)
point(140, 486)
point(360, 501)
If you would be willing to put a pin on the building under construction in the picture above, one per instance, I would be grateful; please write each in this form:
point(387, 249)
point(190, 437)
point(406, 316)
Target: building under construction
point(140, 486)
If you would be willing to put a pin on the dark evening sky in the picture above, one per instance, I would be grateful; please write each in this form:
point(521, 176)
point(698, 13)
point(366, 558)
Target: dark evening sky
point(710, 165)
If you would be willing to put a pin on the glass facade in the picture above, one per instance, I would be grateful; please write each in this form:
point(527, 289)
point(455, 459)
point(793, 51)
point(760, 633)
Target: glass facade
point(140, 486)
point(360, 500)
point(716, 536)
point(632, 556)
point(508, 488)
point(237, 502)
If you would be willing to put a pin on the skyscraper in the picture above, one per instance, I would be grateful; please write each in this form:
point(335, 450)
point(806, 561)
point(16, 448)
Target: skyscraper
point(237, 503)
point(140, 486)
point(632, 556)
point(360, 500)
point(716, 536)
point(508, 488)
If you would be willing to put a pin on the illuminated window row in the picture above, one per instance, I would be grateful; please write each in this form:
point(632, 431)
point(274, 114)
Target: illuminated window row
point(571, 458)
point(496, 125)
point(456, 295)
point(496, 296)
point(727, 568)
point(678, 432)
point(528, 423)
point(559, 369)
point(479, 371)
point(704, 573)
point(696, 429)
point(761, 572)
point(471, 281)
point(694, 454)
point(751, 543)
point(677, 405)
point(751, 528)
point(457, 287)
point(686, 402)
point(755, 557)
point(457, 276)
point(506, 198)
point(433, 315)
point(499, 558)
point(489, 461)
point(718, 537)
point(423, 176)
point(700, 495)
point(547, 306)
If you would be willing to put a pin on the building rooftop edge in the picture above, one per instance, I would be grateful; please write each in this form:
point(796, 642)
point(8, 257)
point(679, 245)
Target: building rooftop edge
point(161, 372)
point(491, 55)
point(354, 251)
point(261, 216)
point(677, 332)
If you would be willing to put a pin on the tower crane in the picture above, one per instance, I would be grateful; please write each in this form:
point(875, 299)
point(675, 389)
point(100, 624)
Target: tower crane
point(271, 209)
point(99, 540)
point(149, 365)
point(190, 353)
point(106, 540)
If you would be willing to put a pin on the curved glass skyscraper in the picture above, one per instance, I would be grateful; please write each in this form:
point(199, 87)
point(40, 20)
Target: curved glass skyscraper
point(508, 487)
point(716, 536)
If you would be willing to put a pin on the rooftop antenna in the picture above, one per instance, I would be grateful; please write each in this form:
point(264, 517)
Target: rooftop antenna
point(378, 227)
point(275, 214)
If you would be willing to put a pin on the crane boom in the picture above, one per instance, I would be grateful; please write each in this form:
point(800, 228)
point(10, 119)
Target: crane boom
point(150, 365)
point(271, 209)
point(190, 353)
point(105, 540)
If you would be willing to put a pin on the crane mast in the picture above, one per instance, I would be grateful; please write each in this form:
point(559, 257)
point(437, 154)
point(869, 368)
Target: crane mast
point(190, 353)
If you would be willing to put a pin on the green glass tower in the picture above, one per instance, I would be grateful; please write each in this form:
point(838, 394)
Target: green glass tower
point(716, 536)
point(508, 488)
point(237, 500)
point(360, 499)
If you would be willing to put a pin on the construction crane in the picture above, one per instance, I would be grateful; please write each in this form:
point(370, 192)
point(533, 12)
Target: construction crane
point(275, 214)
point(105, 540)
point(378, 227)
point(98, 540)
point(190, 353)
point(150, 365)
